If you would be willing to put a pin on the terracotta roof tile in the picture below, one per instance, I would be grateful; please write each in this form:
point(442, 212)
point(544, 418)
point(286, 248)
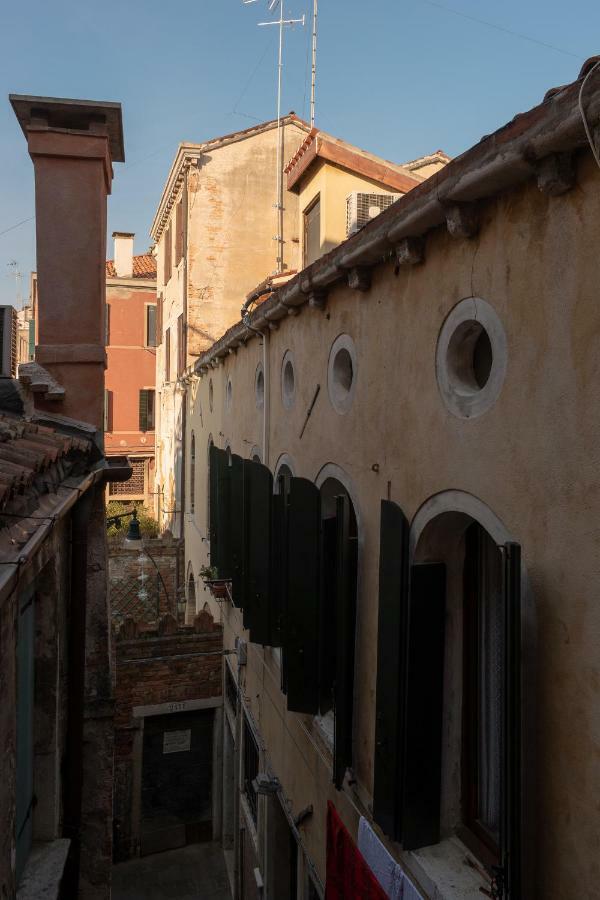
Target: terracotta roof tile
point(144, 266)
point(34, 458)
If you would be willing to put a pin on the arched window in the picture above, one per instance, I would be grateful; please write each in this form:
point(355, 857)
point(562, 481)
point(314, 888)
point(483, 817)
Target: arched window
point(190, 606)
point(193, 475)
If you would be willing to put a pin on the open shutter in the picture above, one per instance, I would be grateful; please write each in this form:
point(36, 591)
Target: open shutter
point(215, 458)
point(424, 701)
point(143, 410)
point(258, 491)
point(301, 639)
point(278, 564)
point(391, 667)
point(511, 830)
point(224, 514)
point(237, 530)
point(345, 608)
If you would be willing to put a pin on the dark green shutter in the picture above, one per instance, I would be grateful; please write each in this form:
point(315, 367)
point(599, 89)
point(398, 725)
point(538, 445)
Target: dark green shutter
point(237, 521)
point(258, 484)
point(424, 705)
point(345, 605)
point(143, 410)
point(391, 667)
point(278, 563)
point(328, 613)
point(301, 640)
point(215, 461)
point(511, 826)
point(224, 515)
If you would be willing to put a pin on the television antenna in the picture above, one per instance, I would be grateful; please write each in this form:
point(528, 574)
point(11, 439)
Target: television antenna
point(16, 274)
point(282, 23)
point(313, 79)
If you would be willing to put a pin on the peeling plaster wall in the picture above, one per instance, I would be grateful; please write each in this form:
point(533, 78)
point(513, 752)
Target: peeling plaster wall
point(533, 459)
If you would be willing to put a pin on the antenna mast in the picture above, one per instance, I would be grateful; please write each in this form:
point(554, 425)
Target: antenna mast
point(282, 22)
point(314, 65)
point(14, 265)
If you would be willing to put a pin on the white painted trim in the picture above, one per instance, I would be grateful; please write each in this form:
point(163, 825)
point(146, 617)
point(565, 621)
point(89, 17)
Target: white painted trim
point(340, 400)
point(161, 709)
point(457, 502)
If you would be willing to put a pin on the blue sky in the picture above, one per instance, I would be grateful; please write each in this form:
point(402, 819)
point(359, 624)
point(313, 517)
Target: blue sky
point(397, 77)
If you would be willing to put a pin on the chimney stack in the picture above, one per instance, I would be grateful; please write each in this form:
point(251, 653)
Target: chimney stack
point(72, 144)
point(123, 253)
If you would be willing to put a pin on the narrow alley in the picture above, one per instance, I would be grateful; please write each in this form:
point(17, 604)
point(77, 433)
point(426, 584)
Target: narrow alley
point(195, 872)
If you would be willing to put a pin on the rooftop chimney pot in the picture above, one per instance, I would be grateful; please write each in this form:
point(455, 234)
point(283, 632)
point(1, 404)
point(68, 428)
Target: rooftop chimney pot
point(123, 253)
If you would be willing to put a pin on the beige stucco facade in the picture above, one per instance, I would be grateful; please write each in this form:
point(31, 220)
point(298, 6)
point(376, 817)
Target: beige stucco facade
point(221, 245)
point(526, 469)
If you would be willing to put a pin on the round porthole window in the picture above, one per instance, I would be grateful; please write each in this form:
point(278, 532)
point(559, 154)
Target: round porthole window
point(288, 380)
point(342, 372)
point(259, 387)
point(471, 358)
point(228, 394)
point(210, 394)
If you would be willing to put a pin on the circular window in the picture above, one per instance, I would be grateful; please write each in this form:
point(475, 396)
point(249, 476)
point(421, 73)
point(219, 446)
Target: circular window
point(228, 394)
point(288, 380)
point(471, 358)
point(210, 394)
point(259, 386)
point(341, 375)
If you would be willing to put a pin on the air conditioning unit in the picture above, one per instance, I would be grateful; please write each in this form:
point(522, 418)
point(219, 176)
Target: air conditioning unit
point(8, 341)
point(361, 208)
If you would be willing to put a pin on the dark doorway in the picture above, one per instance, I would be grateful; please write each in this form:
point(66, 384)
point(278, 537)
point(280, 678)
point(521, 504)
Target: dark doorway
point(177, 780)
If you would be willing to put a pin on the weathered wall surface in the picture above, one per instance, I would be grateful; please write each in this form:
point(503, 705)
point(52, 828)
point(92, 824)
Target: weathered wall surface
point(167, 665)
point(532, 459)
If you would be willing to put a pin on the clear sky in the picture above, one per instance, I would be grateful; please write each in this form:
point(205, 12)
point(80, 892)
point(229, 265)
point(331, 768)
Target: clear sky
point(397, 77)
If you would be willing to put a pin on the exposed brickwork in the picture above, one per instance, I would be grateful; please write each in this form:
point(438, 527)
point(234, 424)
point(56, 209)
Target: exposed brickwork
point(165, 664)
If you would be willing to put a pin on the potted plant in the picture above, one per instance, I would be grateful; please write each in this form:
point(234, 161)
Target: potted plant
point(217, 586)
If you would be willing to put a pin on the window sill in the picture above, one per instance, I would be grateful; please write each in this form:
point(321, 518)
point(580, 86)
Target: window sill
point(445, 874)
point(44, 870)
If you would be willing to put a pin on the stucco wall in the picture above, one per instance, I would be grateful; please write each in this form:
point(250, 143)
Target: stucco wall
point(532, 459)
point(333, 184)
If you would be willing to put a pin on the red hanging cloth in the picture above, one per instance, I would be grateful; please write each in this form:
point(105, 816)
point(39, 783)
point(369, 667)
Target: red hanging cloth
point(348, 875)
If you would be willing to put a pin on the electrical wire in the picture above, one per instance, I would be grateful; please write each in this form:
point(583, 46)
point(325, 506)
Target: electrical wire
point(17, 225)
point(517, 34)
point(583, 116)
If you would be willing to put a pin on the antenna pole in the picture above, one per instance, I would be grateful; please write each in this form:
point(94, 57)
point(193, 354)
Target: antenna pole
point(281, 22)
point(280, 149)
point(314, 65)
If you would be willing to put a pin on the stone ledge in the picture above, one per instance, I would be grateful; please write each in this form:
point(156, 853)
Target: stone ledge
point(44, 870)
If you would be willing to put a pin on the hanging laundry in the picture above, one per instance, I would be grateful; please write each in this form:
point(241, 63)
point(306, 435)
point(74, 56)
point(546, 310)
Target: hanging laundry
point(388, 872)
point(348, 875)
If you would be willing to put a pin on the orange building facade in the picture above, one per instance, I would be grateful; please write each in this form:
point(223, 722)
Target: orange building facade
point(131, 366)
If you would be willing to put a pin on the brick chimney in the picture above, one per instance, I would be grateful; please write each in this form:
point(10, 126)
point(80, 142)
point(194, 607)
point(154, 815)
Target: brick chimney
point(123, 253)
point(72, 144)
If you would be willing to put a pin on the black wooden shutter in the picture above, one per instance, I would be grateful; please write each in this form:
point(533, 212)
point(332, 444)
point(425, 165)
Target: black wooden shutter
point(345, 606)
point(301, 639)
point(511, 830)
point(391, 668)
point(143, 410)
point(258, 492)
point(224, 514)
point(424, 703)
point(216, 461)
point(237, 530)
point(278, 564)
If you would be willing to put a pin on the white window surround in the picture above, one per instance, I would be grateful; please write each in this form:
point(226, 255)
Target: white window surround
point(288, 380)
point(210, 394)
point(456, 379)
point(284, 460)
point(228, 394)
point(342, 373)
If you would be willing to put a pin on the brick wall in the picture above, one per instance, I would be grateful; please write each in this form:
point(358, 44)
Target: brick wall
point(165, 664)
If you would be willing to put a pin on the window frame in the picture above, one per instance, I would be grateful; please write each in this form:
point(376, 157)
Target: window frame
point(150, 333)
point(150, 412)
point(316, 201)
point(251, 760)
point(168, 355)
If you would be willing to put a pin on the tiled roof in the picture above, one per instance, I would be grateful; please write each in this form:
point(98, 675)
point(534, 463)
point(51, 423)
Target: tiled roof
point(34, 460)
point(144, 266)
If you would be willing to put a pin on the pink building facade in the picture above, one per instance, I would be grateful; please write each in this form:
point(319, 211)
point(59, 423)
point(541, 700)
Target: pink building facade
point(131, 366)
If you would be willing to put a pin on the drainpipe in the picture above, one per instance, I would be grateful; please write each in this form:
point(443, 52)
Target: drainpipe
point(73, 770)
point(184, 218)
